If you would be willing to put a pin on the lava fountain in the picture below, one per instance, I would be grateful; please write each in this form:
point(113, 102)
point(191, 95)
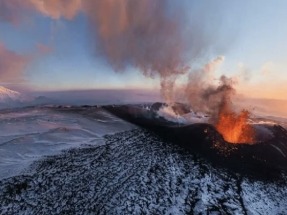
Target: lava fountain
point(234, 127)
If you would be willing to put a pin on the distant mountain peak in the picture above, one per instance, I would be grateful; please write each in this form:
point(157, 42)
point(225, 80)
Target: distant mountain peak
point(8, 95)
point(7, 92)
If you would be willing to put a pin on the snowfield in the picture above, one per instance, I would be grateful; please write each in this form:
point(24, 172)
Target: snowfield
point(109, 166)
point(27, 134)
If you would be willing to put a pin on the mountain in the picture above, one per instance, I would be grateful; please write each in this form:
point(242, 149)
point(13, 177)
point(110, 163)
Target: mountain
point(136, 172)
point(11, 99)
point(121, 168)
point(7, 95)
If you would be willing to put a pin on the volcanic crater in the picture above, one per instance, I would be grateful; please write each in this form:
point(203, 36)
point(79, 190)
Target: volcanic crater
point(264, 157)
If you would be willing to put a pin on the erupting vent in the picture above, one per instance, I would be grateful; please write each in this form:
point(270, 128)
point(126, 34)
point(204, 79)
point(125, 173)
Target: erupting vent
point(235, 128)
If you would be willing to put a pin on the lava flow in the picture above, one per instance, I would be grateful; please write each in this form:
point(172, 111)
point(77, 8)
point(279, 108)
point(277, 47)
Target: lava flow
point(234, 127)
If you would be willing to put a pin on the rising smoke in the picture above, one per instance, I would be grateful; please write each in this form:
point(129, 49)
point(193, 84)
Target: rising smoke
point(141, 34)
point(203, 92)
point(216, 99)
point(145, 34)
point(149, 35)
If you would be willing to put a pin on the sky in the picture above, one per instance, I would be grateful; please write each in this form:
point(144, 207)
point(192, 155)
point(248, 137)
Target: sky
point(50, 48)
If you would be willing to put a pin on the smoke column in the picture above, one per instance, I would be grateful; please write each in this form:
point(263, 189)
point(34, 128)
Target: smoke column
point(201, 92)
point(216, 99)
point(149, 35)
point(142, 34)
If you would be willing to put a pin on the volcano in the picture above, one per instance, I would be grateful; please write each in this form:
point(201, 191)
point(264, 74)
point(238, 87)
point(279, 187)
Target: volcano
point(266, 156)
point(110, 166)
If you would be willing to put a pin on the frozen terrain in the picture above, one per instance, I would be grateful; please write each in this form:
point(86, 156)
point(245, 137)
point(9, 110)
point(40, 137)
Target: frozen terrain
point(109, 166)
point(26, 134)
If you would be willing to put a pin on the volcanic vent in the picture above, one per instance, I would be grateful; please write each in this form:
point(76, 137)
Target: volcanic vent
point(235, 127)
point(253, 156)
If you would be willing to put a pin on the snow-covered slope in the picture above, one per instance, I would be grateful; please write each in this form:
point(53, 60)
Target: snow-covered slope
point(27, 134)
point(12, 99)
point(7, 95)
point(128, 172)
point(135, 172)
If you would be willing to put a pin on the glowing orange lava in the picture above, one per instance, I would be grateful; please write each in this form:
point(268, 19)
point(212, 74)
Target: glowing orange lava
point(234, 127)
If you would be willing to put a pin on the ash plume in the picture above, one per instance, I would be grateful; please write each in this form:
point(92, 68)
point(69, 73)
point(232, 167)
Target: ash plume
point(219, 98)
point(141, 34)
point(144, 34)
point(149, 35)
point(216, 99)
point(201, 92)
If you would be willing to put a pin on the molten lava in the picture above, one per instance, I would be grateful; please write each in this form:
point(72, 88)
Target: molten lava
point(234, 127)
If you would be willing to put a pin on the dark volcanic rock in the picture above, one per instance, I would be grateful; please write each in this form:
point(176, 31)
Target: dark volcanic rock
point(266, 157)
point(135, 172)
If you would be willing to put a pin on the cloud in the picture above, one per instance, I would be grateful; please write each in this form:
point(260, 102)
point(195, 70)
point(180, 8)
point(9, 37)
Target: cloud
point(12, 10)
point(140, 34)
point(15, 11)
point(149, 35)
point(12, 65)
point(57, 8)
point(43, 49)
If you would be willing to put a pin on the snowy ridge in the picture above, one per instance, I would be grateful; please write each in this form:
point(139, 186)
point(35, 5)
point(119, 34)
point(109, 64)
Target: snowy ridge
point(9, 97)
point(7, 94)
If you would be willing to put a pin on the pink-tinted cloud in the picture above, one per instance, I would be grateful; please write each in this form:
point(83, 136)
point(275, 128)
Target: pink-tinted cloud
point(12, 65)
point(144, 34)
point(15, 10)
point(12, 10)
point(57, 8)
point(140, 34)
point(44, 49)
